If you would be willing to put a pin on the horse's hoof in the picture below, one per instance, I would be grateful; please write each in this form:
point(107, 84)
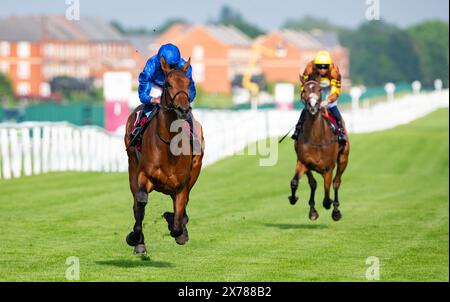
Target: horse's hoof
point(336, 215)
point(327, 204)
point(183, 238)
point(168, 216)
point(132, 240)
point(313, 215)
point(293, 199)
point(140, 249)
point(176, 233)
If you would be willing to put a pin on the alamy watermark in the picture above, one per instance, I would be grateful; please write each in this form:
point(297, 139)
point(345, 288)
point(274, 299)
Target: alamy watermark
point(73, 268)
point(373, 10)
point(73, 10)
point(373, 271)
point(267, 149)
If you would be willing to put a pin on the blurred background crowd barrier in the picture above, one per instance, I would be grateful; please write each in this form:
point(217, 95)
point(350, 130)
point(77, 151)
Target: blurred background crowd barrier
point(32, 148)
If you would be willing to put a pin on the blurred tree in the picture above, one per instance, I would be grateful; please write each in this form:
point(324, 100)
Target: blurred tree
point(169, 23)
point(6, 89)
point(76, 90)
point(146, 31)
point(379, 53)
point(309, 23)
point(431, 40)
point(229, 16)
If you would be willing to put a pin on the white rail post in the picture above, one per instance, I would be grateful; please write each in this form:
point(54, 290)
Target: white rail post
point(390, 90)
point(26, 149)
point(6, 162)
point(45, 149)
point(16, 153)
point(36, 150)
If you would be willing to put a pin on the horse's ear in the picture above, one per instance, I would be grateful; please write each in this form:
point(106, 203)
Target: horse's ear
point(302, 78)
point(164, 66)
point(186, 66)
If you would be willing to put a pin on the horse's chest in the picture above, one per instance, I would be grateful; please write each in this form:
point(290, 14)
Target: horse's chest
point(318, 160)
point(171, 179)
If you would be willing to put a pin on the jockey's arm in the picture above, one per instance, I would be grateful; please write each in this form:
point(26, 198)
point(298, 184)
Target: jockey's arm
point(145, 81)
point(335, 83)
point(307, 73)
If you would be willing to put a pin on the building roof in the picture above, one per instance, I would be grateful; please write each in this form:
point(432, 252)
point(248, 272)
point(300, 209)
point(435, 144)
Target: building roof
point(328, 39)
point(36, 28)
point(301, 39)
point(229, 35)
point(142, 43)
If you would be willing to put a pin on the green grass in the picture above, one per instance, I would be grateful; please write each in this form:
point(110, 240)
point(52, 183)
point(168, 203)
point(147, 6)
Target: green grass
point(394, 201)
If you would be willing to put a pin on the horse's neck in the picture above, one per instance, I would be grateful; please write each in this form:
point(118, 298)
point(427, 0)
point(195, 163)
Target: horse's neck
point(316, 128)
point(164, 120)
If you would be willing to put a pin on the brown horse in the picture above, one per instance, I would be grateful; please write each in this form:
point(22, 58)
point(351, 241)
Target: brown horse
point(161, 165)
point(318, 150)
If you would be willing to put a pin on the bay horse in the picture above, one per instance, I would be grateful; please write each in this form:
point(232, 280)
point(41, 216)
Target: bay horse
point(318, 150)
point(157, 167)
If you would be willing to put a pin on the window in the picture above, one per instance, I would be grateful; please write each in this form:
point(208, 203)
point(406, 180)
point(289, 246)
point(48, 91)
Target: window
point(23, 70)
point(4, 49)
point(23, 88)
point(198, 53)
point(198, 72)
point(23, 49)
point(44, 89)
point(4, 67)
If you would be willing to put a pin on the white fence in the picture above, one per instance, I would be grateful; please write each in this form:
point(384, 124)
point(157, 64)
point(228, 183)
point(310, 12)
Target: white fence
point(34, 148)
point(228, 132)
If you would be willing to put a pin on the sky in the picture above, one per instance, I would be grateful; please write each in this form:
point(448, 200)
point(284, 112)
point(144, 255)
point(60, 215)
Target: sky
point(266, 14)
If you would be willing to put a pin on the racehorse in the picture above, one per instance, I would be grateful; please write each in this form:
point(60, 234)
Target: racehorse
point(318, 150)
point(160, 165)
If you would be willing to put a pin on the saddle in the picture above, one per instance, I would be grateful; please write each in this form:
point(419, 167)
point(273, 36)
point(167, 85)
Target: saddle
point(332, 122)
point(140, 124)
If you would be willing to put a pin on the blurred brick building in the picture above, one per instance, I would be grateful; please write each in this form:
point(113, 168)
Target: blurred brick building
point(294, 49)
point(218, 53)
point(35, 49)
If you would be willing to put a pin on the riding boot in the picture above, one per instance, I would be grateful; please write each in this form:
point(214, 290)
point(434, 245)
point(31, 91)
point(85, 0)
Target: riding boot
point(299, 125)
point(342, 139)
point(137, 131)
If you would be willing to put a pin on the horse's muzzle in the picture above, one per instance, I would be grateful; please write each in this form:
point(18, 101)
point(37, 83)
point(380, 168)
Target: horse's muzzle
point(182, 113)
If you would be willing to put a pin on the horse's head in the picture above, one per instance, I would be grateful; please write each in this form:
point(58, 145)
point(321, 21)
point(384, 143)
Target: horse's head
point(176, 89)
point(311, 96)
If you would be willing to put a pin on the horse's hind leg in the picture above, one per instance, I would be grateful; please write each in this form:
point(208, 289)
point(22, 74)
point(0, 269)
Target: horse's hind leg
point(299, 171)
point(341, 165)
point(313, 215)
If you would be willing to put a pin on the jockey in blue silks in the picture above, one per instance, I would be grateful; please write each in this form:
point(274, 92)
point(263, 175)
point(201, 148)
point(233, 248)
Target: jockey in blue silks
point(152, 78)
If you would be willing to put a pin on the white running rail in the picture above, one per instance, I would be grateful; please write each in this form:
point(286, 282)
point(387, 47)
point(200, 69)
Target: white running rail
point(32, 148)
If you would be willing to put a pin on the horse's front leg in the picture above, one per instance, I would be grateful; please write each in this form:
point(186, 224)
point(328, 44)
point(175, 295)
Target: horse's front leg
point(299, 171)
point(136, 237)
point(178, 228)
point(313, 215)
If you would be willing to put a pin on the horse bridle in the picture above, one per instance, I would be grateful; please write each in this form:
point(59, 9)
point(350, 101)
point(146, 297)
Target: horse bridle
point(170, 105)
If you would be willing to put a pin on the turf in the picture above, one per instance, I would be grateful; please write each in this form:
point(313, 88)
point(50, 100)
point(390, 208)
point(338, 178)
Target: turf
point(394, 201)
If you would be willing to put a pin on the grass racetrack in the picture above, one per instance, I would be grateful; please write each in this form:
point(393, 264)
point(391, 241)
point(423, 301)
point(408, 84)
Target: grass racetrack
point(394, 202)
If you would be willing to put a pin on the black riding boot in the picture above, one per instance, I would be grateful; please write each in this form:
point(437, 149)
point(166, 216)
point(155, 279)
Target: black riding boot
point(136, 134)
point(342, 139)
point(299, 125)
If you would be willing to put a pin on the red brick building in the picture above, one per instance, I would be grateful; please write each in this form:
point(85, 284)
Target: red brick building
point(298, 48)
point(218, 53)
point(35, 49)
